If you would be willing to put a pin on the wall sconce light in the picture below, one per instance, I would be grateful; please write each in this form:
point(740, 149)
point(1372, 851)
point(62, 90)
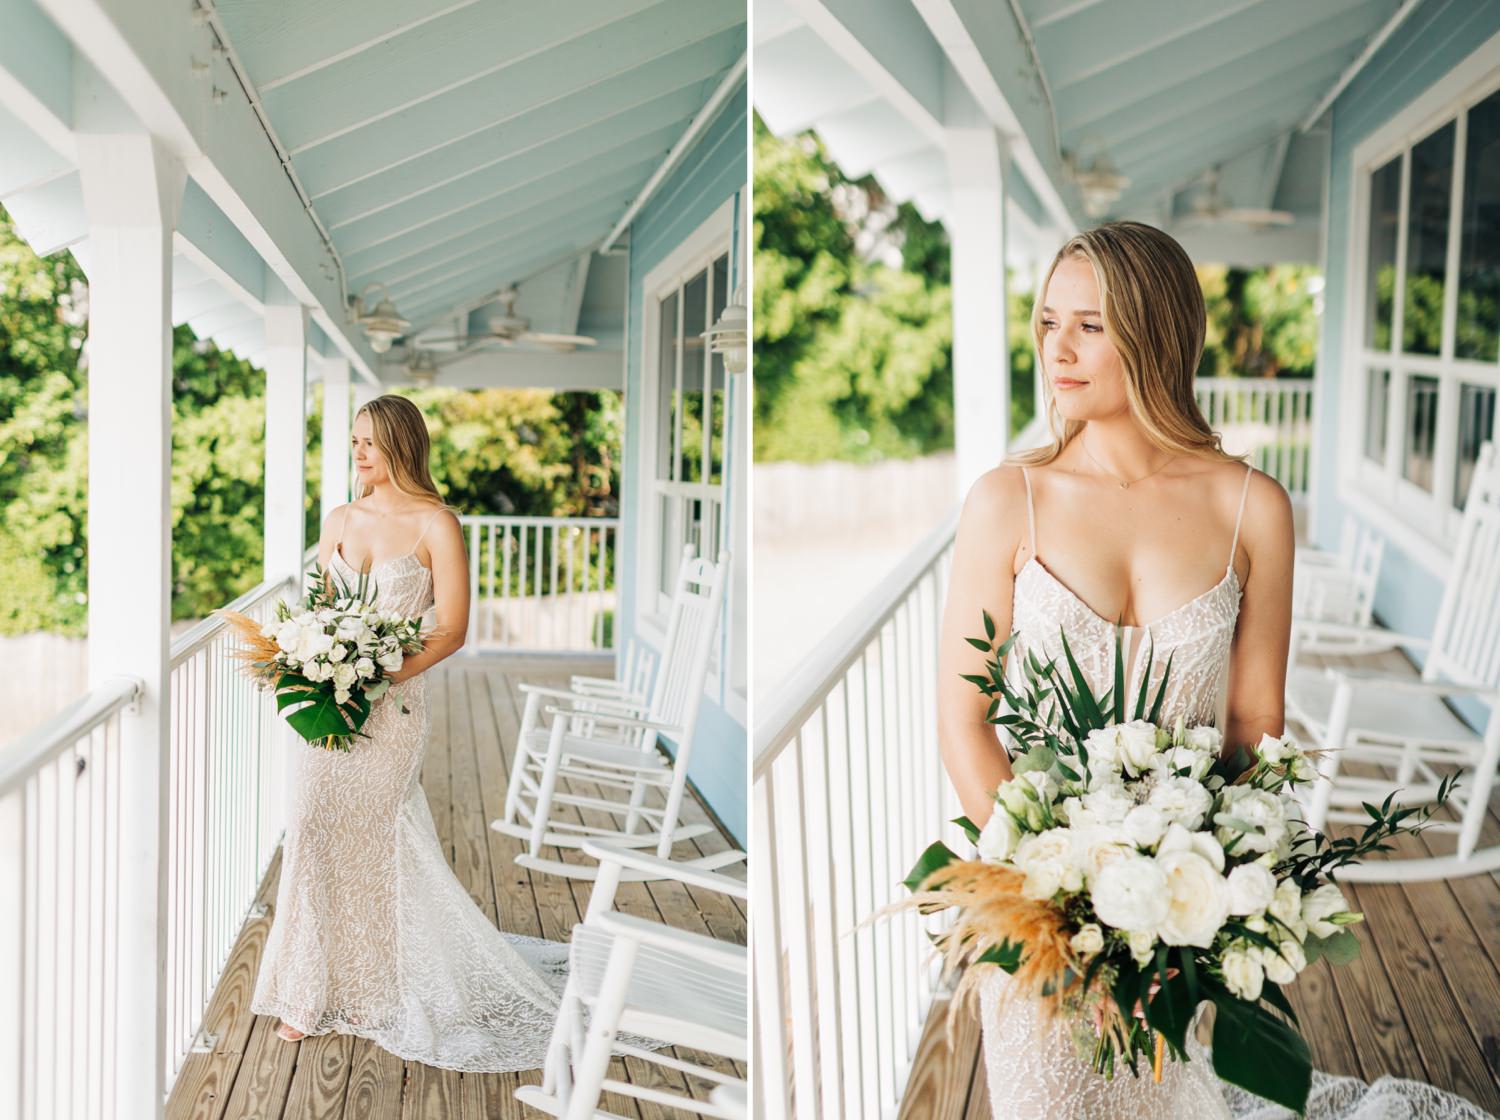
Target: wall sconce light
point(730, 336)
point(384, 324)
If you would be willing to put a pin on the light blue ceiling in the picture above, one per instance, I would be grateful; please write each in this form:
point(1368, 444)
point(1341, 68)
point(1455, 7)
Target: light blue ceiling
point(453, 149)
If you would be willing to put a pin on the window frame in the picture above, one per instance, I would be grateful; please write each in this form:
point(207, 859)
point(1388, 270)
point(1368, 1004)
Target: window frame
point(1423, 524)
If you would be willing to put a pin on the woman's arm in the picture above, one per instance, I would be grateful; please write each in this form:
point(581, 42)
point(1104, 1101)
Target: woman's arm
point(981, 579)
point(333, 525)
point(1262, 637)
point(450, 589)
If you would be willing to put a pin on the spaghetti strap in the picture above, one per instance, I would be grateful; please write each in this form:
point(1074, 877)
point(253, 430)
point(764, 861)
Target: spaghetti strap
point(1030, 510)
point(1244, 493)
point(423, 533)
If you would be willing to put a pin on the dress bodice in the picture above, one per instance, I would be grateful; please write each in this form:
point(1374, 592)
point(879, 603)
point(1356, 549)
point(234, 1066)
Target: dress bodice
point(402, 583)
point(1197, 635)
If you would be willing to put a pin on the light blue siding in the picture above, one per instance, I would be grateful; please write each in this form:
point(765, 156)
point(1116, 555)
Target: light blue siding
point(715, 170)
point(1435, 38)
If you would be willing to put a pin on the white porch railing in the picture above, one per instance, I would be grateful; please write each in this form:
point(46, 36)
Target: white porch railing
point(848, 789)
point(1270, 420)
point(541, 583)
point(60, 843)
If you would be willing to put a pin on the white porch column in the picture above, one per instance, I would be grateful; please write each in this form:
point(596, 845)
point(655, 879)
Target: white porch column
point(981, 358)
point(336, 419)
point(286, 440)
point(132, 192)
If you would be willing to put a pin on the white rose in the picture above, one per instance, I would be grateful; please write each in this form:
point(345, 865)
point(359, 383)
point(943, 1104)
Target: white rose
point(1251, 888)
point(313, 642)
point(1243, 974)
point(1144, 825)
point(1096, 846)
point(1321, 904)
point(1182, 800)
point(1286, 907)
point(1197, 763)
point(998, 837)
point(1131, 894)
point(288, 636)
point(364, 667)
point(338, 652)
point(343, 676)
point(1204, 739)
point(391, 661)
point(1284, 962)
point(1302, 769)
point(1260, 810)
point(1199, 900)
point(1088, 941)
point(1275, 751)
point(1142, 944)
point(1047, 860)
point(1103, 745)
point(1137, 746)
point(349, 627)
point(340, 696)
point(1109, 803)
point(1179, 839)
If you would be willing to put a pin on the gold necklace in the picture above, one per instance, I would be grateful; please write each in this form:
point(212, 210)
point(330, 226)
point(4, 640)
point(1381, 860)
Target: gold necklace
point(1124, 483)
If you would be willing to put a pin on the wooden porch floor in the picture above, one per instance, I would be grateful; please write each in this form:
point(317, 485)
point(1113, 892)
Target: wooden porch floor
point(251, 1073)
point(1422, 1001)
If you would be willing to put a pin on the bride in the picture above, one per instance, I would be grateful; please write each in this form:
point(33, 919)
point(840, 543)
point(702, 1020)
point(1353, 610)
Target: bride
point(373, 934)
point(1133, 513)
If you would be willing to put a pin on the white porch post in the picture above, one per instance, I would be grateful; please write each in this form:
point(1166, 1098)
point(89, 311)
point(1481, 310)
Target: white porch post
point(981, 358)
point(336, 418)
point(286, 440)
point(132, 192)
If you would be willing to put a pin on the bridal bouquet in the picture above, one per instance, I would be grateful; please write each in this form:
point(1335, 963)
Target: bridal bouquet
point(327, 659)
point(1128, 873)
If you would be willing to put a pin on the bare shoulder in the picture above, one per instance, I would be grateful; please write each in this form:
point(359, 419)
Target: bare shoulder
point(1268, 531)
point(334, 520)
point(996, 497)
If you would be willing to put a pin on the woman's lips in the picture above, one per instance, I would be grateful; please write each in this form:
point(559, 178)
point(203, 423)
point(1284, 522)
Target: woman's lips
point(1061, 383)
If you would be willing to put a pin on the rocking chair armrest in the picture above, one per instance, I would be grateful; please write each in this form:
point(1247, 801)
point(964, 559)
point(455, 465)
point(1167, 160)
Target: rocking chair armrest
point(637, 860)
point(710, 950)
point(622, 705)
point(614, 719)
point(1313, 628)
point(1371, 678)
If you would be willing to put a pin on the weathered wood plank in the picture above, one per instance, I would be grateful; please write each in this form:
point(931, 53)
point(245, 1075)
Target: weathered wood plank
point(942, 1076)
point(321, 1079)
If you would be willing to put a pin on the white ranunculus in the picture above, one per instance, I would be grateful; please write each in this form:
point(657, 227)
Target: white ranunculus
point(1137, 746)
point(288, 636)
point(1047, 860)
point(1088, 941)
point(1199, 900)
point(1321, 904)
point(364, 667)
point(1144, 825)
point(1109, 803)
point(1243, 974)
point(1284, 962)
point(1182, 800)
point(1204, 739)
point(1260, 810)
point(1251, 888)
point(1131, 894)
point(1286, 907)
point(1179, 839)
point(344, 676)
point(998, 837)
point(1103, 745)
point(1142, 944)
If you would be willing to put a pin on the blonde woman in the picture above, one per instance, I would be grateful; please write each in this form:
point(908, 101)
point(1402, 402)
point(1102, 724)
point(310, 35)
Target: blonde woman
point(373, 934)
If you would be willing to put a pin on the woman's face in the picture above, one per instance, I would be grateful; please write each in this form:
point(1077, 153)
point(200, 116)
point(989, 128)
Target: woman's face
point(369, 466)
point(1084, 368)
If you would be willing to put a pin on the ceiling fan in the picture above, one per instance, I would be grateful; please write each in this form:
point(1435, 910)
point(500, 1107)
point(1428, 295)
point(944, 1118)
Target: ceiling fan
point(1208, 207)
point(508, 328)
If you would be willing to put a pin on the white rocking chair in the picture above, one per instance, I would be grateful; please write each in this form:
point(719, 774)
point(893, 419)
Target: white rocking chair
point(1333, 601)
point(1404, 722)
point(611, 741)
point(632, 976)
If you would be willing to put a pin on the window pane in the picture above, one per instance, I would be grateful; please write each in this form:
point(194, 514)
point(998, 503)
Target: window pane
point(718, 385)
point(1380, 276)
point(1476, 424)
point(1479, 251)
point(666, 411)
point(695, 310)
point(1377, 408)
point(1421, 430)
point(1427, 242)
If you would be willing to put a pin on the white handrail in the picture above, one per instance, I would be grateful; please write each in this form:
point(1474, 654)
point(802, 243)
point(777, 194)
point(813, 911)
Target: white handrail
point(43, 743)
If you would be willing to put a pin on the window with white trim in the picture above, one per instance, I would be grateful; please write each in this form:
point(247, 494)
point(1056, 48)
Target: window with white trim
point(1427, 252)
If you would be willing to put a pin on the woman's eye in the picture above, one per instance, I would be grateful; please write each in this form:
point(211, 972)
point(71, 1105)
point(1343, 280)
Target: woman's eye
point(1048, 324)
point(1092, 327)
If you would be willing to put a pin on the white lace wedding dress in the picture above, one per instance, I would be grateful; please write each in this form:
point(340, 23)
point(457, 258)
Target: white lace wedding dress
point(373, 934)
point(1033, 1069)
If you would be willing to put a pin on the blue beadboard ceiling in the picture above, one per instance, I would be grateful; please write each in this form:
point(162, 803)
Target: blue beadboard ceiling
point(452, 149)
point(1168, 93)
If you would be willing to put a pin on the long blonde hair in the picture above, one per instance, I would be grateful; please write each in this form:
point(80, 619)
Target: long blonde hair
point(397, 427)
point(1152, 307)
